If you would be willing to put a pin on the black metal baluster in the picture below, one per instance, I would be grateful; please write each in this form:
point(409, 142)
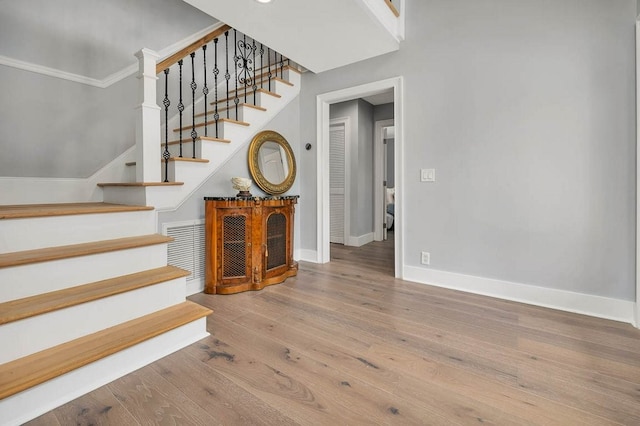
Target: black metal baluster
point(194, 86)
point(261, 65)
point(205, 89)
point(255, 84)
point(166, 103)
point(269, 66)
point(245, 63)
point(216, 71)
point(281, 67)
point(227, 75)
point(236, 101)
point(180, 105)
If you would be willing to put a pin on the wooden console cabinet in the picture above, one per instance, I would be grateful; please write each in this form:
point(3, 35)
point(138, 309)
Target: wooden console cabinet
point(249, 243)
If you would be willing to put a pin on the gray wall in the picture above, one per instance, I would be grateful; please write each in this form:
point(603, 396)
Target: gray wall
point(50, 127)
point(526, 111)
point(390, 162)
point(383, 112)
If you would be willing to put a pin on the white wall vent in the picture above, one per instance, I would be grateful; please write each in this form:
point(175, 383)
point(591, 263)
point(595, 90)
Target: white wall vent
point(187, 249)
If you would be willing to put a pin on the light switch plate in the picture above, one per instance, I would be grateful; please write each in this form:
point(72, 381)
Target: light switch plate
point(428, 175)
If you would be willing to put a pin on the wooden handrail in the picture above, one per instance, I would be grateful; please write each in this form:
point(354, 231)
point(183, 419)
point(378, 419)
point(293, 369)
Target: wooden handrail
point(393, 8)
point(166, 63)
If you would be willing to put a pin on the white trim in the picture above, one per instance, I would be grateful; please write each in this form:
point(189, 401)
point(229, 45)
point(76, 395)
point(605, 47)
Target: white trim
point(360, 240)
point(346, 123)
point(596, 306)
point(322, 119)
point(110, 79)
point(194, 287)
point(307, 255)
point(636, 321)
point(379, 198)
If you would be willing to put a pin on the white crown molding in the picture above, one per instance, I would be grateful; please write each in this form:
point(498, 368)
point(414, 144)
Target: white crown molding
point(110, 79)
point(50, 72)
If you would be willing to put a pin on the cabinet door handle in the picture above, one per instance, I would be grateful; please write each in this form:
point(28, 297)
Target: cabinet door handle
point(266, 250)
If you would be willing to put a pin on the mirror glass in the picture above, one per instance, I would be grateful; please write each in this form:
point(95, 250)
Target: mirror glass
point(271, 162)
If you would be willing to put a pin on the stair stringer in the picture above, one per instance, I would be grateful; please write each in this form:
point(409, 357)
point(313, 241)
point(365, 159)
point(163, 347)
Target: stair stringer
point(165, 198)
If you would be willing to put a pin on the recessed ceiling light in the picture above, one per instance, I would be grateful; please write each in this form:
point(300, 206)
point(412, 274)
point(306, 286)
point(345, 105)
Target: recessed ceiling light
point(263, 1)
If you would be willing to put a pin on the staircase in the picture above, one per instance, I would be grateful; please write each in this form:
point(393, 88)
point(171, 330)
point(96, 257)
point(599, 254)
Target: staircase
point(86, 295)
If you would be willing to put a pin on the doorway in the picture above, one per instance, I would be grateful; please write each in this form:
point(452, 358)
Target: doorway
point(323, 160)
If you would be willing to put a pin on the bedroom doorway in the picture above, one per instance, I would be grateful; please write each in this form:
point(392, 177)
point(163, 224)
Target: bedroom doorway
point(324, 101)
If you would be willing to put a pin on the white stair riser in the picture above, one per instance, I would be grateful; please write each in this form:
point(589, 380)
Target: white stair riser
point(179, 171)
point(37, 333)
point(133, 196)
point(187, 149)
point(41, 232)
point(292, 77)
point(33, 402)
point(250, 115)
point(29, 280)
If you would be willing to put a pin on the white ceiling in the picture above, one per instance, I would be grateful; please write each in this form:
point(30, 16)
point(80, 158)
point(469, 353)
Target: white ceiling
point(319, 35)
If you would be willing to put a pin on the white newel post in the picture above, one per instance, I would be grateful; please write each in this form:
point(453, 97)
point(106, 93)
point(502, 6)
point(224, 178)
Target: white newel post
point(147, 120)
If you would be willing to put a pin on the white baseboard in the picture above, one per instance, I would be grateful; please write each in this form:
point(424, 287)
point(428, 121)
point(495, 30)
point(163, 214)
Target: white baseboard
point(195, 286)
point(306, 255)
point(360, 240)
point(596, 306)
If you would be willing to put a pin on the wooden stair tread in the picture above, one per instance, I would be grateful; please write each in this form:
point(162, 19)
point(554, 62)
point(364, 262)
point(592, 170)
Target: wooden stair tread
point(188, 159)
point(204, 138)
point(74, 250)
point(29, 371)
point(209, 123)
point(220, 109)
point(15, 310)
point(63, 209)
point(140, 184)
point(185, 159)
point(241, 94)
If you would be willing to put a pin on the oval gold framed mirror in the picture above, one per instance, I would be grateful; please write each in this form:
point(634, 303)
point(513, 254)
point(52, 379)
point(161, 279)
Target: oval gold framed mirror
point(271, 162)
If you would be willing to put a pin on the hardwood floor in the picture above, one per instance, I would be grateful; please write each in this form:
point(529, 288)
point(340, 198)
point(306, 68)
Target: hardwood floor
point(346, 343)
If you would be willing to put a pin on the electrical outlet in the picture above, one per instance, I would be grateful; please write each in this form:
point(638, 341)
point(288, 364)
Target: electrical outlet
point(428, 175)
point(425, 258)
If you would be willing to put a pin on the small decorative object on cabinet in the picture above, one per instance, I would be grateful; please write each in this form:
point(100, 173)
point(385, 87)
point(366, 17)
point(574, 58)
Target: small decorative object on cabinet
point(249, 242)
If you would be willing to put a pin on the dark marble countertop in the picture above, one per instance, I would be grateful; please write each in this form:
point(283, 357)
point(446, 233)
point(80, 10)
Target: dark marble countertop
point(269, 197)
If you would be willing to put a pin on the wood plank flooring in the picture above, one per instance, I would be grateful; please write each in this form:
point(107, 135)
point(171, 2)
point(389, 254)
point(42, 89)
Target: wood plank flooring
point(346, 343)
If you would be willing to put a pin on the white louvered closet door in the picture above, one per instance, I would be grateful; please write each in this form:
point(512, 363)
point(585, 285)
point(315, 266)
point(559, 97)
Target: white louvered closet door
point(337, 182)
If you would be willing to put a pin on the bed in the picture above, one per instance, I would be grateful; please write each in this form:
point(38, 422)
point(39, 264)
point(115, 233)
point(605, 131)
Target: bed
point(391, 203)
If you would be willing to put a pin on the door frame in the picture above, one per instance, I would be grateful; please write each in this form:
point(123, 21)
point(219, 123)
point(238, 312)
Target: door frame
point(346, 122)
point(323, 101)
point(379, 197)
point(636, 319)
